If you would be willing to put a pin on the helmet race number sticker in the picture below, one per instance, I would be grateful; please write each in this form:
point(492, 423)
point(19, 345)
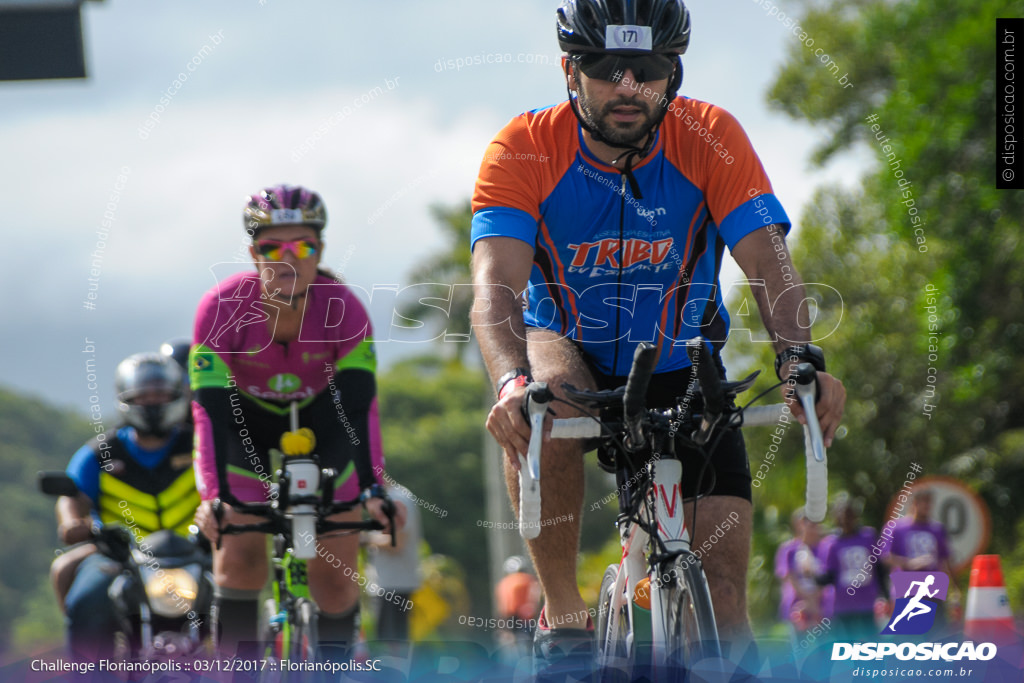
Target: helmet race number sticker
point(627, 37)
point(284, 383)
point(286, 216)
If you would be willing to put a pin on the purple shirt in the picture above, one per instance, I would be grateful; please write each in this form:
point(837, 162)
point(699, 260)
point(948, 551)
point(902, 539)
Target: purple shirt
point(911, 540)
point(783, 562)
point(794, 559)
point(846, 557)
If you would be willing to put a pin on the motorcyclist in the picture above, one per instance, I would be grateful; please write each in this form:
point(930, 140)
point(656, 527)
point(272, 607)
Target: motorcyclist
point(140, 477)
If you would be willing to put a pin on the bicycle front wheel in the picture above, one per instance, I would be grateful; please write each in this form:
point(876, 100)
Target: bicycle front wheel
point(305, 641)
point(271, 639)
point(613, 647)
point(690, 618)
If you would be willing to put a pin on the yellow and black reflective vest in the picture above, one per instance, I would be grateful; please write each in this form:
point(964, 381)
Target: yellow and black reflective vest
point(164, 497)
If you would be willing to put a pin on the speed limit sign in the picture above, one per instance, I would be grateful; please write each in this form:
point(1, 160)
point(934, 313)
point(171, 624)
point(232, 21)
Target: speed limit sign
point(964, 515)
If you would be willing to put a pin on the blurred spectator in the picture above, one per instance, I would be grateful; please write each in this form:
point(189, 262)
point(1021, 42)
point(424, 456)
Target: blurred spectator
point(397, 569)
point(844, 559)
point(517, 598)
point(797, 566)
point(919, 544)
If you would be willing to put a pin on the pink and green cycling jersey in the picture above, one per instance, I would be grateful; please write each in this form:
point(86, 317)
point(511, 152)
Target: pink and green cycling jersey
point(235, 357)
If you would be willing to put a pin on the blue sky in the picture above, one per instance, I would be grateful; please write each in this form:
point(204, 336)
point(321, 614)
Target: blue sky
point(347, 98)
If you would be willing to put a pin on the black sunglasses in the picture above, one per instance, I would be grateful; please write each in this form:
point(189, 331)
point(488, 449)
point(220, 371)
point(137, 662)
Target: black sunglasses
point(607, 66)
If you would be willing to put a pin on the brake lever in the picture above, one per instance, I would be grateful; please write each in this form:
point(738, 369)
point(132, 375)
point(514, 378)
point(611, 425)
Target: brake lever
point(218, 515)
point(808, 393)
point(389, 511)
point(706, 429)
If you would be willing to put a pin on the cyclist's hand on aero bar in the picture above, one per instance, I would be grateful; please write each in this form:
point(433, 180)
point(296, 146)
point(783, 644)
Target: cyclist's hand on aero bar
point(375, 508)
point(509, 427)
point(831, 402)
point(207, 521)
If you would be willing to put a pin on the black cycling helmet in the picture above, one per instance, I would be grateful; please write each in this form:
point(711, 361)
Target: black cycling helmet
point(178, 350)
point(583, 26)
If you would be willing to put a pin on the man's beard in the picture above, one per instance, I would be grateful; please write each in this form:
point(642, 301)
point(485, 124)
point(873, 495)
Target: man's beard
point(621, 134)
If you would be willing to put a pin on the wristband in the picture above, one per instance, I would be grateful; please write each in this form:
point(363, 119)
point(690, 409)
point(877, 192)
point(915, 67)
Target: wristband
point(806, 353)
point(374, 491)
point(519, 377)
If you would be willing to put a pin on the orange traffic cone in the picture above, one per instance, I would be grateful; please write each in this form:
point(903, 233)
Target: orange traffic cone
point(988, 617)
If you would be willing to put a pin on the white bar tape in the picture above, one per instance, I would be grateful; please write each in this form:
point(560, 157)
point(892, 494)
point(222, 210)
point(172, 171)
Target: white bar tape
point(575, 428)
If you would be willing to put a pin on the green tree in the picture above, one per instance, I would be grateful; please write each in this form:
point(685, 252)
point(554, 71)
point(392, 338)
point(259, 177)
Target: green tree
point(431, 417)
point(445, 279)
point(926, 256)
point(35, 436)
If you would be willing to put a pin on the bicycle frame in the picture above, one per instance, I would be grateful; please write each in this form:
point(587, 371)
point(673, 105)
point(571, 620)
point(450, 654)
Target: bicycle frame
point(672, 533)
point(290, 585)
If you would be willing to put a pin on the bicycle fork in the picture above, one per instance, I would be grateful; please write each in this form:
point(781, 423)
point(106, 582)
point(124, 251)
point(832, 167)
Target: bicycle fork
point(668, 513)
point(671, 528)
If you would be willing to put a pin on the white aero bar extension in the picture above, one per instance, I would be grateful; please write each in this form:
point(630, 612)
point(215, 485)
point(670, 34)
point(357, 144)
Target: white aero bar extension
point(814, 445)
point(538, 396)
point(755, 416)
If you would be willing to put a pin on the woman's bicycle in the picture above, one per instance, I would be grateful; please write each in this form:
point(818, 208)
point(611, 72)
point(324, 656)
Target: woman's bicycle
point(659, 572)
point(301, 503)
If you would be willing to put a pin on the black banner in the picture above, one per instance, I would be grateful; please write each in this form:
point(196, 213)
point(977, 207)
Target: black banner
point(1009, 136)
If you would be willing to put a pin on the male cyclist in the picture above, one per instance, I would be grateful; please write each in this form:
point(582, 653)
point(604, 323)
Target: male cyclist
point(600, 223)
point(517, 600)
point(140, 478)
point(285, 331)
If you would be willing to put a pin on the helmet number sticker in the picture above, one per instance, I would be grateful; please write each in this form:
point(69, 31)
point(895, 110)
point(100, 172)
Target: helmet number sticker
point(627, 37)
point(284, 383)
point(286, 216)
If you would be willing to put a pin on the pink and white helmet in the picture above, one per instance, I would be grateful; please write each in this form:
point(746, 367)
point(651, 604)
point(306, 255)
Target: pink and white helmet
point(283, 205)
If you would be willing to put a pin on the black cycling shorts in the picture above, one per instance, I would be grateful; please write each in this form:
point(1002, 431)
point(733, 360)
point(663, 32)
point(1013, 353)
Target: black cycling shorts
point(728, 470)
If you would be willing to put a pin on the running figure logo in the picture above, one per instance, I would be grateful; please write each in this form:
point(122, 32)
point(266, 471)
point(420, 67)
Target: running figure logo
point(914, 613)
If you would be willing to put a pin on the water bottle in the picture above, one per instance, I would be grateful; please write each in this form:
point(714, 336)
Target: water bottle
point(304, 480)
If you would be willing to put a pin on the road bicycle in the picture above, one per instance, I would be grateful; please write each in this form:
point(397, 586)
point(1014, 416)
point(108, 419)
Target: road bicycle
point(659, 571)
point(301, 502)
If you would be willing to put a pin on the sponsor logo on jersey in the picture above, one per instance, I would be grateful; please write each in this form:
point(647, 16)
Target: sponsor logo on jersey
point(606, 252)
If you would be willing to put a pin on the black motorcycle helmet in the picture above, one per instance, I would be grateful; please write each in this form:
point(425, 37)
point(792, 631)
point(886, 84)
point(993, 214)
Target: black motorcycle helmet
point(143, 372)
point(583, 28)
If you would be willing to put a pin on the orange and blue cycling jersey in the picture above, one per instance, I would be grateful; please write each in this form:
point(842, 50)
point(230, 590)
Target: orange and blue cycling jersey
point(613, 267)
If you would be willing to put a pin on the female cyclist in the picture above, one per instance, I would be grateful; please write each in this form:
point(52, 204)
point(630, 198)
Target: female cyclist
point(286, 332)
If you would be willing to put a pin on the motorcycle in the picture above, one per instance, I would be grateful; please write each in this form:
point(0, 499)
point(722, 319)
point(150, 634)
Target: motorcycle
point(164, 592)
